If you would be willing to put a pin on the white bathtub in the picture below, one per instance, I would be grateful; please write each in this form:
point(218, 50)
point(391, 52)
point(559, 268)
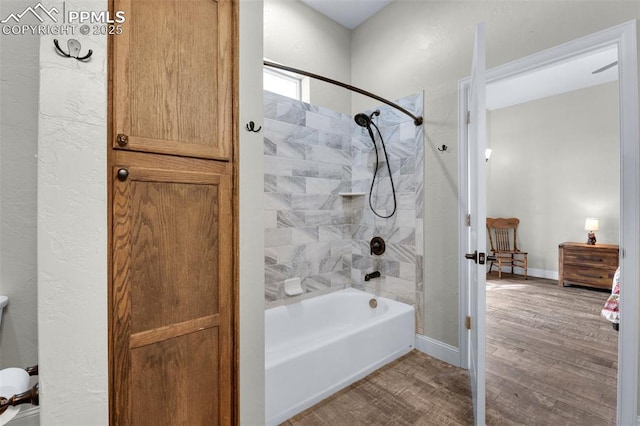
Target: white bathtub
point(318, 346)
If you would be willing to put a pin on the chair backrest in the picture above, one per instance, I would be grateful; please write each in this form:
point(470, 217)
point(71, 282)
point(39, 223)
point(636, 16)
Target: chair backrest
point(503, 233)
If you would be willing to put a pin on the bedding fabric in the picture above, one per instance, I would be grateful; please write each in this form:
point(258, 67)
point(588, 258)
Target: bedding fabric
point(610, 310)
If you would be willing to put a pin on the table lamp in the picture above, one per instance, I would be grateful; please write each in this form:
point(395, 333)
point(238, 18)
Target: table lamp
point(591, 224)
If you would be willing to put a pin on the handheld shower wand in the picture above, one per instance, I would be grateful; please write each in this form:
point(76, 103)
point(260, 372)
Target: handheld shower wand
point(366, 121)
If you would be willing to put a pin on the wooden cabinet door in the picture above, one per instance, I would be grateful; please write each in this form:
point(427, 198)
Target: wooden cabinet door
point(173, 77)
point(172, 354)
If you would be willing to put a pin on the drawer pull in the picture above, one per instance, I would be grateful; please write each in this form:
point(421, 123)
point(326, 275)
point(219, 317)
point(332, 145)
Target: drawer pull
point(587, 275)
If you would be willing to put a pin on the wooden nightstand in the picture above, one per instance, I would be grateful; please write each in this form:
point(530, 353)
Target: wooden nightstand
point(587, 265)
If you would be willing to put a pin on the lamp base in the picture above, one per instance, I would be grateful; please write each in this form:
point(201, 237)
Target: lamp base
point(591, 238)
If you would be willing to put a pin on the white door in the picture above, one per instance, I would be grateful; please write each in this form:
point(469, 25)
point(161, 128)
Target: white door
point(476, 232)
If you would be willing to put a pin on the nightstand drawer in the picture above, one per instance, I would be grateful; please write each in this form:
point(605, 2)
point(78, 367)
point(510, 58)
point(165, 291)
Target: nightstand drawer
point(591, 259)
point(587, 276)
point(587, 265)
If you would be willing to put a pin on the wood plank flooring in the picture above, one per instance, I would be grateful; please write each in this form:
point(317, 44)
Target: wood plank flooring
point(413, 390)
point(551, 357)
point(551, 360)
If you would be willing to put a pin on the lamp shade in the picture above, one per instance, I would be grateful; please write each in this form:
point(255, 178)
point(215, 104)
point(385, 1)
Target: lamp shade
point(591, 224)
point(487, 153)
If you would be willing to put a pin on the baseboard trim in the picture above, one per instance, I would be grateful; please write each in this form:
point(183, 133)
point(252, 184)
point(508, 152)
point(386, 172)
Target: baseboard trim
point(543, 273)
point(533, 272)
point(438, 349)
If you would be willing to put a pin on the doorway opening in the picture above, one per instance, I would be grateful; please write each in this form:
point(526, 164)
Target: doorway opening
point(622, 37)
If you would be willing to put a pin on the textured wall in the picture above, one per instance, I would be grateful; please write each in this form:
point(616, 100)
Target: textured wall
point(411, 46)
point(72, 232)
point(251, 302)
point(307, 224)
point(19, 72)
point(301, 37)
point(555, 161)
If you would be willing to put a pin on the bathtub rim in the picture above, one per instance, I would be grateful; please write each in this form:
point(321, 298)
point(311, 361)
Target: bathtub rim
point(395, 309)
point(402, 312)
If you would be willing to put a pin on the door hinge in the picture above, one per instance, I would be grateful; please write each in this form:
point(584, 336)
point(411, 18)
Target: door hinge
point(468, 220)
point(468, 117)
point(467, 322)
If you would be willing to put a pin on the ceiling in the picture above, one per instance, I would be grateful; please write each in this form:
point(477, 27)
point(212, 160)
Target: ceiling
point(567, 76)
point(574, 74)
point(348, 13)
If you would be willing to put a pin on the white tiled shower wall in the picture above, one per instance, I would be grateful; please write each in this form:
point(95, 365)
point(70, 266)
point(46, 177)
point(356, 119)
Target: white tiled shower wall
point(312, 154)
point(401, 263)
point(308, 225)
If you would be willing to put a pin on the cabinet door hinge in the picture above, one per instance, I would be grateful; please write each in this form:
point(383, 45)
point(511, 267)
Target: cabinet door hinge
point(467, 322)
point(468, 117)
point(468, 222)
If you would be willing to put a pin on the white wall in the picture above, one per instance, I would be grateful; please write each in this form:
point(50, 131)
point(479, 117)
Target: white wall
point(411, 46)
point(252, 398)
point(408, 47)
point(300, 37)
point(72, 246)
point(556, 161)
point(72, 231)
point(19, 74)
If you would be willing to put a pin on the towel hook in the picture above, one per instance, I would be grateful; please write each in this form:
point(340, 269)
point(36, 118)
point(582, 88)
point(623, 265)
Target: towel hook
point(251, 127)
point(74, 50)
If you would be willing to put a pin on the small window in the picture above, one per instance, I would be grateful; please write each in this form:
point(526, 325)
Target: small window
point(285, 84)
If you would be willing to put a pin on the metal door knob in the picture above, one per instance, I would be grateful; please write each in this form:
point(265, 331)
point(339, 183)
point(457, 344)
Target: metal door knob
point(123, 174)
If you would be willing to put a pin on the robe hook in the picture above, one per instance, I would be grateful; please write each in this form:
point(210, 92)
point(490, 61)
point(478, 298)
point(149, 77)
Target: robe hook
point(251, 127)
point(443, 149)
point(74, 50)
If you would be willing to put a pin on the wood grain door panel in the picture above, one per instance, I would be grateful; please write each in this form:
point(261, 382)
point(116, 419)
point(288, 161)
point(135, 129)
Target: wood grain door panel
point(172, 292)
point(174, 267)
point(174, 378)
point(173, 79)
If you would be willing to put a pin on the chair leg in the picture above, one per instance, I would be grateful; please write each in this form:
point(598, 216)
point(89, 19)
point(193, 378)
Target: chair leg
point(525, 267)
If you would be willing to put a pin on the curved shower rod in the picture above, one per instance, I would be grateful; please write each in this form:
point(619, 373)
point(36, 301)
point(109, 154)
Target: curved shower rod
point(416, 120)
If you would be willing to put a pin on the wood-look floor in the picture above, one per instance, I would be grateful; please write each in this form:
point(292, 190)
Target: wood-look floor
point(551, 360)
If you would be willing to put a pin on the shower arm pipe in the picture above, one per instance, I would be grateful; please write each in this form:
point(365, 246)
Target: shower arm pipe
point(416, 120)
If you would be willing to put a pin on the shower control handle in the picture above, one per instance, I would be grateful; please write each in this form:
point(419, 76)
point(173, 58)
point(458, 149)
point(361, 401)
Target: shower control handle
point(377, 246)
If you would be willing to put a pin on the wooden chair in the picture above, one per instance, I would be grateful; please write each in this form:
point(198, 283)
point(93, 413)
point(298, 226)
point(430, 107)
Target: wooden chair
point(503, 236)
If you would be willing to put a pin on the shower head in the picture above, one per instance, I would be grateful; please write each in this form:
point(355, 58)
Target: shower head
point(362, 120)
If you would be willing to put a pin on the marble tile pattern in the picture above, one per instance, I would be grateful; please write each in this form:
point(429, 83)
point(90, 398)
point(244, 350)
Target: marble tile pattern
point(312, 154)
point(307, 152)
point(401, 264)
